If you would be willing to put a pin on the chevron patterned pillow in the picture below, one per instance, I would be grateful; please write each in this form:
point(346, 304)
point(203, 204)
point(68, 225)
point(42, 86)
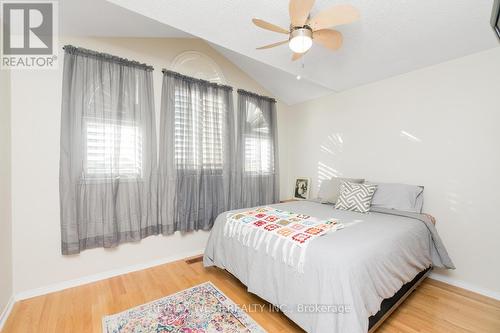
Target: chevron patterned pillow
point(355, 197)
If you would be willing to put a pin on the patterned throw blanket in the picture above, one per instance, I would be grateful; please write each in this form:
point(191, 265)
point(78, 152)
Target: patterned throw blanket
point(278, 230)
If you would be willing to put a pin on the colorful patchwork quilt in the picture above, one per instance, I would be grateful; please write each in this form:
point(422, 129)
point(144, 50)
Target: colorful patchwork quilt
point(279, 231)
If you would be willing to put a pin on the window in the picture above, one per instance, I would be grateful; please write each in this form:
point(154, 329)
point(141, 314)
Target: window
point(108, 175)
point(258, 142)
point(113, 149)
point(199, 117)
point(257, 155)
point(113, 141)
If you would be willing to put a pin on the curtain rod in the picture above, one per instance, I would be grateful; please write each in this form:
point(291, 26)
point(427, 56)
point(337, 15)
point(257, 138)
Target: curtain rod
point(249, 93)
point(109, 57)
point(193, 79)
point(83, 51)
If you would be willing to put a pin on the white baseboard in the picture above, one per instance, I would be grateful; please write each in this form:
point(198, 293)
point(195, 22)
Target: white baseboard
point(6, 312)
point(465, 285)
point(124, 270)
point(102, 276)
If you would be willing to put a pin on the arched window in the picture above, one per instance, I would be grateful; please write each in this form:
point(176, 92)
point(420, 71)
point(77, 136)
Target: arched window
point(257, 168)
point(198, 65)
point(199, 114)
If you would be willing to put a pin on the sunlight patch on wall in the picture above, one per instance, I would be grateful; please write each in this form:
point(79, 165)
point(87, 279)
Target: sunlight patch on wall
point(333, 145)
point(326, 172)
point(410, 136)
point(454, 203)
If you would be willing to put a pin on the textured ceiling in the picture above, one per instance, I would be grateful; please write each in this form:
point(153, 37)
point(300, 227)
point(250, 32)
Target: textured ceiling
point(280, 84)
point(104, 19)
point(392, 37)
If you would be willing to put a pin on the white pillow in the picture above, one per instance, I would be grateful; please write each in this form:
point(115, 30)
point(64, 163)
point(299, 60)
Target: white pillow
point(329, 190)
point(407, 198)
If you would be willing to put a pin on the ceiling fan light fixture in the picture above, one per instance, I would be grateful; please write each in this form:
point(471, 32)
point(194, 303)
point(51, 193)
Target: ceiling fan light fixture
point(300, 40)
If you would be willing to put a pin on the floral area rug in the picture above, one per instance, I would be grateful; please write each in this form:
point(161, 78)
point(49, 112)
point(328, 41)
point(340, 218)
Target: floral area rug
point(200, 309)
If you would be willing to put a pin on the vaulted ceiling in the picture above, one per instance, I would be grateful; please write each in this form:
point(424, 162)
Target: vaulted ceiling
point(392, 37)
point(100, 18)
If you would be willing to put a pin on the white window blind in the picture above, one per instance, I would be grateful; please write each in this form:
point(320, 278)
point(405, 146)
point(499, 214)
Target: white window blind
point(113, 149)
point(258, 142)
point(198, 130)
point(258, 153)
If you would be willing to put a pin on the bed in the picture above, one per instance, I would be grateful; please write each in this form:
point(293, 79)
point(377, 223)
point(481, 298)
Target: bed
point(357, 274)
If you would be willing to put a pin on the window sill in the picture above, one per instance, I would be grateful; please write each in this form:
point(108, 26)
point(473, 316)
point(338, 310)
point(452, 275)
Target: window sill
point(97, 181)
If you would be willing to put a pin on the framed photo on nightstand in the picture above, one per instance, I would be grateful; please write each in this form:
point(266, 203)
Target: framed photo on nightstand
point(301, 188)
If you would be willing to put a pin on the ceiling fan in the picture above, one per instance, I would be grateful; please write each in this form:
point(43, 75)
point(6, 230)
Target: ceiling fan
point(305, 29)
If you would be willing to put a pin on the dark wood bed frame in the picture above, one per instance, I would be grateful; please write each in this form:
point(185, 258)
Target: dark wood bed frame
point(390, 304)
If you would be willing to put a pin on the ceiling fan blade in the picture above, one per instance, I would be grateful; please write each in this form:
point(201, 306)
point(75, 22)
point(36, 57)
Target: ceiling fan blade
point(272, 45)
point(336, 15)
point(331, 39)
point(299, 11)
point(269, 26)
point(297, 56)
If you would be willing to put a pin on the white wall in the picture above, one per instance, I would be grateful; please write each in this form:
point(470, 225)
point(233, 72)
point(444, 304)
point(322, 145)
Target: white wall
point(437, 127)
point(36, 109)
point(5, 195)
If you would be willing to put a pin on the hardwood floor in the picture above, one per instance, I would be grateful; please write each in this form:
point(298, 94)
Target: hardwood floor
point(433, 307)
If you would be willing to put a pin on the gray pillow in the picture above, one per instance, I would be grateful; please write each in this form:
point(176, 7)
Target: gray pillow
point(329, 190)
point(407, 198)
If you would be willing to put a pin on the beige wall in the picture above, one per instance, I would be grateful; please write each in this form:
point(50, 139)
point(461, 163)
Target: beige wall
point(5, 195)
point(437, 127)
point(36, 104)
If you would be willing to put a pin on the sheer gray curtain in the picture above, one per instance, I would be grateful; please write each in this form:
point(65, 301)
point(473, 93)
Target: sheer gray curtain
point(196, 145)
point(256, 179)
point(108, 182)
